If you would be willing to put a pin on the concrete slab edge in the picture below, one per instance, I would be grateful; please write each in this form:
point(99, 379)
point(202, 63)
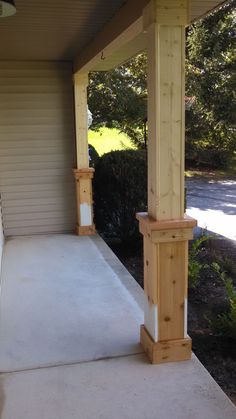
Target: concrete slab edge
point(120, 270)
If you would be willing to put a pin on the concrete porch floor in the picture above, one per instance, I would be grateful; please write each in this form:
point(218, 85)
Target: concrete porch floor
point(69, 341)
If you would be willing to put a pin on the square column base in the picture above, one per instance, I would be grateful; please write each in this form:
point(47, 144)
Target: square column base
point(85, 225)
point(85, 230)
point(165, 351)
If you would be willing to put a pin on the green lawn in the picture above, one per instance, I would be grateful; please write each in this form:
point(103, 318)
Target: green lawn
point(107, 139)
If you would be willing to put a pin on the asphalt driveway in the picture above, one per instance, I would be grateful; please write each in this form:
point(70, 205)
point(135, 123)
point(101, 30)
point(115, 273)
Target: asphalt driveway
point(213, 204)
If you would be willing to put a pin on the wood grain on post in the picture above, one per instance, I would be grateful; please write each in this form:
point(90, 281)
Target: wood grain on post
point(83, 174)
point(165, 228)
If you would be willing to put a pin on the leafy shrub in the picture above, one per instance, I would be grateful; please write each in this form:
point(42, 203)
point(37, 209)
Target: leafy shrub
point(225, 323)
point(205, 264)
point(202, 154)
point(207, 268)
point(195, 265)
point(93, 155)
point(120, 190)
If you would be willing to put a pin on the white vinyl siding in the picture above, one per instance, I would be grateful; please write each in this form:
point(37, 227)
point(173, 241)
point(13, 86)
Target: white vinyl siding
point(37, 148)
point(1, 238)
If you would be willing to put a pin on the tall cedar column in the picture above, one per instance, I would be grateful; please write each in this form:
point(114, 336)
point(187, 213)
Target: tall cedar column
point(83, 174)
point(165, 228)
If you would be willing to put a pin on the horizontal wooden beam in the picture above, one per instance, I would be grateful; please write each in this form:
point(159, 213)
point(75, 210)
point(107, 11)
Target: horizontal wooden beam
point(126, 46)
point(120, 31)
point(124, 35)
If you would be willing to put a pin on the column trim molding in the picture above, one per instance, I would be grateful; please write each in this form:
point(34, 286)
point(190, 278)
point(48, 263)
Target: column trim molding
point(84, 173)
point(165, 351)
point(165, 12)
point(154, 225)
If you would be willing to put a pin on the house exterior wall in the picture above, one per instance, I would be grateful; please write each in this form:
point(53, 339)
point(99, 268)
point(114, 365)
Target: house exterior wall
point(37, 147)
point(1, 238)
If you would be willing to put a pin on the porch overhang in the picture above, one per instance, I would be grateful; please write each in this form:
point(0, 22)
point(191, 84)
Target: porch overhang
point(94, 35)
point(125, 36)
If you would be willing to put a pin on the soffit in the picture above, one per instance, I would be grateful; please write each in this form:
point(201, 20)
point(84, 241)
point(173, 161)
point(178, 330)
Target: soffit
point(199, 8)
point(53, 29)
point(61, 29)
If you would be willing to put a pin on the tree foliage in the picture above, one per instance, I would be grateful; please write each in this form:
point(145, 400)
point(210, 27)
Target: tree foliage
point(211, 79)
point(118, 98)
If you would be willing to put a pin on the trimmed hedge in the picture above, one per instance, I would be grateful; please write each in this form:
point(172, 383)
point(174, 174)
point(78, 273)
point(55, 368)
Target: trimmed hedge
point(93, 155)
point(120, 190)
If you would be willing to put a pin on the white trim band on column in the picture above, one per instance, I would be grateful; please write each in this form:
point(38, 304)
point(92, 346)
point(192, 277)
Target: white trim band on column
point(151, 318)
point(85, 214)
point(186, 318)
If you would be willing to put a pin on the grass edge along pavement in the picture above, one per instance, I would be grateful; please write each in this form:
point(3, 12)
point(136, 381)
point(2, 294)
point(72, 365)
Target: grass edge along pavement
point(109, 139)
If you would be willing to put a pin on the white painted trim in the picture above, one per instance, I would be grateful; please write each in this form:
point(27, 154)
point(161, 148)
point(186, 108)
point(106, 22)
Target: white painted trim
point(85, 215)
point(1, 238)
point(186, 317)
point(151, 318)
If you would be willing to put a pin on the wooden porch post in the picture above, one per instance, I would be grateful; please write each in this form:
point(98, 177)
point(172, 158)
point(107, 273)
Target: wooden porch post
point(165, 228)
point(83, 174)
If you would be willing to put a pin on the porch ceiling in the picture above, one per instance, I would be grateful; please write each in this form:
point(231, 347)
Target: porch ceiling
point(63, 29)
point(53, 30)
